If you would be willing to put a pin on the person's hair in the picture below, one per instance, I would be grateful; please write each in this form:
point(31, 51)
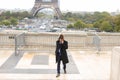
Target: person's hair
point(61, 36)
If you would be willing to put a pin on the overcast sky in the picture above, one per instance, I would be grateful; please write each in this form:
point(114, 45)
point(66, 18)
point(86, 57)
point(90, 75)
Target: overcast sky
point(67, 5)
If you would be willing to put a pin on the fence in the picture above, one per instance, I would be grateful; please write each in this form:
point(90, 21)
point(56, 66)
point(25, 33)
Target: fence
point(46, 41)
point(19, 42)
point(109, 40)
point(96, 42)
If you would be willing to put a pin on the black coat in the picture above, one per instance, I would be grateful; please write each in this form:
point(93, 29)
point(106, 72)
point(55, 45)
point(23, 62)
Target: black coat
point(63, 56)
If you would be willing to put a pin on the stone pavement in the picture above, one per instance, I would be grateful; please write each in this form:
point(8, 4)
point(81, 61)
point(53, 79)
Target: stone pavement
point(84, 65)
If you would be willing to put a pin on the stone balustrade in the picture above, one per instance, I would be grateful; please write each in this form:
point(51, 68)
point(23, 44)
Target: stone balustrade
point(76, 40)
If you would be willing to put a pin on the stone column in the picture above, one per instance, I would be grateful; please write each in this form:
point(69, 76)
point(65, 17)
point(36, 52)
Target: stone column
point(115, 64)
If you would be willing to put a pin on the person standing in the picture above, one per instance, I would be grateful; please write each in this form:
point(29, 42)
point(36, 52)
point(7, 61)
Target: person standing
point(61, 54)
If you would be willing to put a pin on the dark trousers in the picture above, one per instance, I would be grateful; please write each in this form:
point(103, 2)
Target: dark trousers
point(58, 66)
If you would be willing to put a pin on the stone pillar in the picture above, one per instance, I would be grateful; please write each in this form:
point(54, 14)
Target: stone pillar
point(115, 64)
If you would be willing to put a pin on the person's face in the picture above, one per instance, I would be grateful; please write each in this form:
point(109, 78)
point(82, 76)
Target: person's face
point(61, 40)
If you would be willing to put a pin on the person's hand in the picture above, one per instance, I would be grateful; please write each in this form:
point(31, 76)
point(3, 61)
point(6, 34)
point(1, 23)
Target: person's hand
point(61, 41)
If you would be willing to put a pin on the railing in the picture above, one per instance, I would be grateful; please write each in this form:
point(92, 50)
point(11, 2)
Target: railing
point(19, 42)
point(96, 42)
point(47, 41)
point(109, 40)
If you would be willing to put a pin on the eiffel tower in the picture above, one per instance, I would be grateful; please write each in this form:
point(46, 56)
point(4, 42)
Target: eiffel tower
point(41, 4)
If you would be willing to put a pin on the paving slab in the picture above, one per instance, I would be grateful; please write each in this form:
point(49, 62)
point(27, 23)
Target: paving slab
point(87, 65)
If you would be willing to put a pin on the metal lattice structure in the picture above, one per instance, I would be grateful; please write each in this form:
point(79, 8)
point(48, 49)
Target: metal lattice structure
point(41, 4)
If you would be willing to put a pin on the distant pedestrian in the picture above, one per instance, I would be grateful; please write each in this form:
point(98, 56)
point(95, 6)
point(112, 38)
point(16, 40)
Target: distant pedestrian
point(61, 54)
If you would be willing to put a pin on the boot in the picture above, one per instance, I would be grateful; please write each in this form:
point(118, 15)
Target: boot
point(65, 71)
point(58, 75)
